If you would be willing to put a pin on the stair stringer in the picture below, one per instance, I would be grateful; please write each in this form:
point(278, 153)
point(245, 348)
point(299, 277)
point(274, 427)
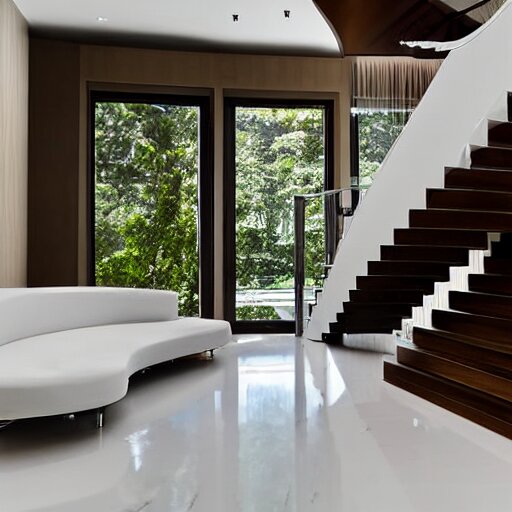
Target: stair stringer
point(460, 96)
point(422, 315)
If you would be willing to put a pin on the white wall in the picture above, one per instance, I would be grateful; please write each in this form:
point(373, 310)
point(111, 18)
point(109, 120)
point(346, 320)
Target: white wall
point(13, 145)
point(471, 81)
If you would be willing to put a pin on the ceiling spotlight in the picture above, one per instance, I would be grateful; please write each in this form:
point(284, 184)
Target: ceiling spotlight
point(287, 13)
point(101, 19)
point(235, 17)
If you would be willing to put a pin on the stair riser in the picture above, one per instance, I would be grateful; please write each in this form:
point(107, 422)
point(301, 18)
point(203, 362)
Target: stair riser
point(401, 268)
point(501, 135)
point(498, 266)
point(491, 333)
point(460, 219)
point(484, 283)
point(481, 304)
point(465, 353)
point(469, 200)
point(478, 407)
point(413, 297)
point(499, 250)
point(396, 282)
point(492, 158)
point(441, 237)
point(333, 338)
point(359, 308)
point(383, 327)
point(455, 372)
point(453, 255)
point(478, 180)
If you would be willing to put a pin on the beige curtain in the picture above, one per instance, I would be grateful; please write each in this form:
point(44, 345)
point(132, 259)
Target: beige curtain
point(391, 83)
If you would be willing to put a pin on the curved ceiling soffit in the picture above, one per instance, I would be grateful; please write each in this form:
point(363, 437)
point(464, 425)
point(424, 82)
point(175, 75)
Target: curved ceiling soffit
point(376, 27)
point(332, 28)
point(444, 46)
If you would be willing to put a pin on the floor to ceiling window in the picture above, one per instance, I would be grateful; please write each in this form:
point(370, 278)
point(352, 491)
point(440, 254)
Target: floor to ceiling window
point(274, 149)
point(375, 131)
point(149, 169)
point(385, 92)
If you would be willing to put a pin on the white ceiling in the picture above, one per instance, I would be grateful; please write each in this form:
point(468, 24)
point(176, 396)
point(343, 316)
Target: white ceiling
point(188, 24)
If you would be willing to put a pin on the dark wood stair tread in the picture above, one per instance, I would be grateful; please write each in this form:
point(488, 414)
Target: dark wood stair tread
point(497, 284)
point(463, 363)
point(461, 220)
point(334, 338)
point(424, 283)
point(461, 349)
point(439, 366)
point(482, 408)
point(503, 247)
point(485, 304)
point(500, 135)
point(477, 179)
point(491, 157)
point(484, 331)
point(369, 308)
point(357, 324)
point(498, 266)
point(453, 255)
point(471, 239)
point(413, 268)
point(414, 297)
point(474, 200)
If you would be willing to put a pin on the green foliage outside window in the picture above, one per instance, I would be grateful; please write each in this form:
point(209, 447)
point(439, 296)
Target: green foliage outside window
point(146, 199)
point(280, 153)
point(378, 131)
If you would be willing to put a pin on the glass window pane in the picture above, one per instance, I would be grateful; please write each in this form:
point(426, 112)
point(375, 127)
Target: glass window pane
point(146, 198)
point(279, 152)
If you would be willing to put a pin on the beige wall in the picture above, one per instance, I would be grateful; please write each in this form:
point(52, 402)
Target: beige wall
point(223, 74)
point(13, 145)
point(61, 76)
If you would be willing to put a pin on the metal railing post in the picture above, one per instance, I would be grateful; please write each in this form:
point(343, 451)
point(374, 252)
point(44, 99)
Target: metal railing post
point(331, 227)
point(334, 227)
point(300, 236)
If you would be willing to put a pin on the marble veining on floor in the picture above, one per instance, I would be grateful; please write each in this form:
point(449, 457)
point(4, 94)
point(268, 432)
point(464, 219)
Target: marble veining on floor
point(272, 424)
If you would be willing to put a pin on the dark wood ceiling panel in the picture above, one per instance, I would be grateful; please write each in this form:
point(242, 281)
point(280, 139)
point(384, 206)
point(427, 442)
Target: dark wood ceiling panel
point(376, 27)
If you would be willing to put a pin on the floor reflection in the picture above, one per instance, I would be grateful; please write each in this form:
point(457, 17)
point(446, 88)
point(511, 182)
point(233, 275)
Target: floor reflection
point(271, 424)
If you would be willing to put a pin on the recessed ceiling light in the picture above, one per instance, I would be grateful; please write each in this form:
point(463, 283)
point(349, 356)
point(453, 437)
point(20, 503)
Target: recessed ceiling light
point(235, 17)
point(101, 19)
point(287, 13)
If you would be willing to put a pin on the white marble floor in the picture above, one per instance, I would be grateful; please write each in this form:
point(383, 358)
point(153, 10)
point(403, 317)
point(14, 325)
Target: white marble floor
point(271, 424)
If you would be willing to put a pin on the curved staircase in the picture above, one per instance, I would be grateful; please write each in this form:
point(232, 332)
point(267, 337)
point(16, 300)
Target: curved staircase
point(464, 362)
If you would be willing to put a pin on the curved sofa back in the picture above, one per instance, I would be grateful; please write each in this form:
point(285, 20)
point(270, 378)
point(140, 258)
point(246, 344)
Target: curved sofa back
point(28, 312)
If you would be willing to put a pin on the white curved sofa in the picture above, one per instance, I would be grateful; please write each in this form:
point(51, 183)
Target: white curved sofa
point(66, 350)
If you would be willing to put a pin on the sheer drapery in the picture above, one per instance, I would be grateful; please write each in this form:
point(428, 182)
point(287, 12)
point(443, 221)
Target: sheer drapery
point(391, 83)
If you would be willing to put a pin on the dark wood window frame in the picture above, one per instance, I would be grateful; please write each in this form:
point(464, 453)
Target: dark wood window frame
point(205, 188)
point(230, 105)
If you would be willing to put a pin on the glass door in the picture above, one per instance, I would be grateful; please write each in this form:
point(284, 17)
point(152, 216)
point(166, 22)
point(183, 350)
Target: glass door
point(274, 150)
point(150, 166)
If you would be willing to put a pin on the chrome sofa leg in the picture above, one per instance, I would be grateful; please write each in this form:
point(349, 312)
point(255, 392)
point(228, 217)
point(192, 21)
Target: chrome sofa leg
point(100, 416)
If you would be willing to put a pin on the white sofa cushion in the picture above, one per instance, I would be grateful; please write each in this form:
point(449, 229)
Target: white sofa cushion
point(81, 369)
point(28, 312)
